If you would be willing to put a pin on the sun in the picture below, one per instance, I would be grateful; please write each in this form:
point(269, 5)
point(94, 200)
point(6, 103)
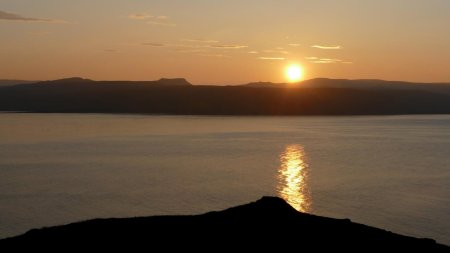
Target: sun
point(294, 72)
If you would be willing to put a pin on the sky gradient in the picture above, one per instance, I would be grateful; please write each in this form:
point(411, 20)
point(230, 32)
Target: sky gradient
point(225, 42)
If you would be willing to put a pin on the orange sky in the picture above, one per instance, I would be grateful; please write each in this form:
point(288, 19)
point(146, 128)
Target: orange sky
point(225, 42)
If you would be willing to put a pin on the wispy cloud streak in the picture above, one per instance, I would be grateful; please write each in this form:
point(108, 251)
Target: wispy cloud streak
point(160, 23)
point(327, 47)
point(154, 44)
point(272, 58)
point(325, 60)
point(215, 55)
point(276, 51)
point(142, 16)
point(18, 18)
point(229, 46)
point(160, 20)
point(200, 41)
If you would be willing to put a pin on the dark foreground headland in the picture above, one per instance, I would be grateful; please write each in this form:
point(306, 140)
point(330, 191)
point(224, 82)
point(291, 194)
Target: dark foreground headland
point(269, 223)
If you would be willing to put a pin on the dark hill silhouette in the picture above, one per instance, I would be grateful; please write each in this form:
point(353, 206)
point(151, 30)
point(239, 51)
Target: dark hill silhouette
point(81, 82)
point(174, 82)
point(376, 84)
point(269, 223)
point(358, 84)
point(179, 97)
point(70, 80)
point(9, 82)
point(264, 85)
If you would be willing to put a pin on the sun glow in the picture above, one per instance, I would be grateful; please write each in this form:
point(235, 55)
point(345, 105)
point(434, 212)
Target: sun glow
point(294, 73)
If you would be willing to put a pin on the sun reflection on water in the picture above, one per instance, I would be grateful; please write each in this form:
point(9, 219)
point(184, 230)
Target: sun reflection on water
point(293, 178)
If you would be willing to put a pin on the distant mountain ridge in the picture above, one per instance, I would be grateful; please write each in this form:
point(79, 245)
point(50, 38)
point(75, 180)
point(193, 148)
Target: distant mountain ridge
point(311, 83)
point(179, 97)
point(10, 82)
point(356, 84)
point(83, 81)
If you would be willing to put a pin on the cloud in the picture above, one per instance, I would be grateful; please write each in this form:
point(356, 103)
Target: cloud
point(142, 16)
point(277, 50)
point(314, 59)
point(294, 45)
point(16, 17)
point(332, 60)
point(160, 20)
point(154, 44)
point(253, 52)
point(272, 58)
point(327, 47)
point(215, 55)
point(228, 46)
point(322, 60)
point(193, 50)
point(161, 23)
point(190, 50)
point(187, 46)
point(200, 40)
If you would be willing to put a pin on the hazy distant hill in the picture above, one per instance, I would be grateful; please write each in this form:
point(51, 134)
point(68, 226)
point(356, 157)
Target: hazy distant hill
point(179, 97)
point(80, 82)
point(358, 84)
point(265, 85)
point(7, 82)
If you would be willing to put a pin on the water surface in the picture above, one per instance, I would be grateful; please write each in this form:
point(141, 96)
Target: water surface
point(388, 171)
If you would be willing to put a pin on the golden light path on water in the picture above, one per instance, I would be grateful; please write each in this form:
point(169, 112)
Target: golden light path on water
point(293, 178)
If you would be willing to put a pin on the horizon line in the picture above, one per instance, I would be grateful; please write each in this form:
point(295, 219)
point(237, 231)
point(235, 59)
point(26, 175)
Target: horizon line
point(223, 84)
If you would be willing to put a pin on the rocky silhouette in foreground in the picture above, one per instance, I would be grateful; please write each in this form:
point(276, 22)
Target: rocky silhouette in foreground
point(269, 223)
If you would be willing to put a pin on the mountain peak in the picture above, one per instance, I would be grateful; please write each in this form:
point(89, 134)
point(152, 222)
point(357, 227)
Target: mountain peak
point(174, 82)
point(73, 79)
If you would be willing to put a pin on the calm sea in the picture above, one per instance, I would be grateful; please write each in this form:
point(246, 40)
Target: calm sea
point(391, 172)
